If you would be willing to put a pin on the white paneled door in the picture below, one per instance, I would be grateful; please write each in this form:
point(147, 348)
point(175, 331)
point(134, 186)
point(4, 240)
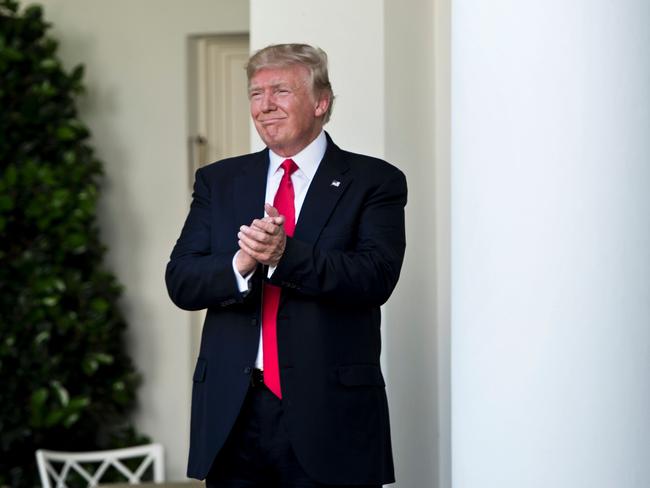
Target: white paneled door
point(218, 110)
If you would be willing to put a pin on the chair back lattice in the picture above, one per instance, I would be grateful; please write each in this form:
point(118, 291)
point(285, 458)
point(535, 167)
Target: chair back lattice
point(78, 464)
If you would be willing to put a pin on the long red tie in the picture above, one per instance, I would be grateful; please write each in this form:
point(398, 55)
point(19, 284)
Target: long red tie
point(284, 203)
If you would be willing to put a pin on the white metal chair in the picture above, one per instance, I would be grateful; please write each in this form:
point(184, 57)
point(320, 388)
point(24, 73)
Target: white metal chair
point(79, 462)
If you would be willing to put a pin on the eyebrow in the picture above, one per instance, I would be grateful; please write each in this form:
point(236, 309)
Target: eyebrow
point(272, 85)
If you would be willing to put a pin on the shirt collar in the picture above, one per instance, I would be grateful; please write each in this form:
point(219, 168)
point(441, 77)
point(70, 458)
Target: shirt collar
point(307, 160)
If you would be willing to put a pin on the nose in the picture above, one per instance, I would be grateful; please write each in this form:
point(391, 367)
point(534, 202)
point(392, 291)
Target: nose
point(267, 104)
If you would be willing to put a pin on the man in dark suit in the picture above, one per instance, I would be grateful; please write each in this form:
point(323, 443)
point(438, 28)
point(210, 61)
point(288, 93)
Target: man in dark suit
point(292, 250)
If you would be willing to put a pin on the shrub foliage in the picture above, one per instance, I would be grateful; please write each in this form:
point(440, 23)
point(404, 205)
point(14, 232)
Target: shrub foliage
point(66, 381)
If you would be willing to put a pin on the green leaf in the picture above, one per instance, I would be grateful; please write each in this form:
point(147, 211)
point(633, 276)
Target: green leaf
point(99, 305)
point(75, 242)
point(11, 54)
point(71, 419)
point(50, 301)
point(54, 417)
point(37, 406)
point(49, 64)
point(39, 397)
point(46, 89)
point(104, 358)
point(62, 393)
point(69, 158)
point(79, 403)
point(120, 396)
point(34, 12)
point(65, 133)
point(90, 365)
point(6, 203)
point(60, 198)
point(77, 74)
point(42, 337)
point(59, 285)
point(11, 175)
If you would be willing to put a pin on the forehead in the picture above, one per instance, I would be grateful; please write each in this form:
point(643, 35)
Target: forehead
point(294, 74)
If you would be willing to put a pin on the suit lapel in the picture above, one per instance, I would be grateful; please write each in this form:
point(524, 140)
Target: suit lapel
point(249, 189)
point(329, 184)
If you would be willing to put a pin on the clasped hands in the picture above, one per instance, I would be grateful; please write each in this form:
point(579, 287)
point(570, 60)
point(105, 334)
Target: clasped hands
point(261, 242)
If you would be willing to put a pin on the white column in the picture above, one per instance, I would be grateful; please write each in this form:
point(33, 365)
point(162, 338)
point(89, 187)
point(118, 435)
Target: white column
point(551, 244)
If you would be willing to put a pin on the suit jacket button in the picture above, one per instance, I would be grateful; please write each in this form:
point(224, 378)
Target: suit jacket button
point(254, 321)
point(247, 370)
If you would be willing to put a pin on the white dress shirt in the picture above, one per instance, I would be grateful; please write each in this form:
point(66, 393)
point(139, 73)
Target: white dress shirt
point(307, 161)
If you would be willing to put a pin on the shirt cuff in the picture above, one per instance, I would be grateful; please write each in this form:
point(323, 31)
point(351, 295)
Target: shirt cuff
point(243, 282)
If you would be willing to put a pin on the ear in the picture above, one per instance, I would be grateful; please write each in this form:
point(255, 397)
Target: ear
point(322, 104)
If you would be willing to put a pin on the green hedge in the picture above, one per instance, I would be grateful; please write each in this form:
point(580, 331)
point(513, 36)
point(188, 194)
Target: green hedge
point(66, 381)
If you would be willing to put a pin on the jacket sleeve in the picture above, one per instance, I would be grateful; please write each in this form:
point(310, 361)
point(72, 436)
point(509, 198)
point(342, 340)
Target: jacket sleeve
point(196, 278)
point(367, 273)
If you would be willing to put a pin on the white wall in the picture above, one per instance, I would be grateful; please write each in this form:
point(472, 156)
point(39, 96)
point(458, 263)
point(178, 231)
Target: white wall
point(550, 237)
point(417, 316)
point(351, 33)
point(136, 107)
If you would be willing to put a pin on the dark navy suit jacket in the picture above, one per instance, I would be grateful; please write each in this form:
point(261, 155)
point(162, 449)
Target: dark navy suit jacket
point(341, 264)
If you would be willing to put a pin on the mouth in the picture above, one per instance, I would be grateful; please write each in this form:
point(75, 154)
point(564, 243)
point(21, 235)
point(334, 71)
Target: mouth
point(271, 121)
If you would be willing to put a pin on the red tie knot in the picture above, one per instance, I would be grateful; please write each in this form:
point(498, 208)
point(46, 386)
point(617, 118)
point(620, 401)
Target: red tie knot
point(289, 166)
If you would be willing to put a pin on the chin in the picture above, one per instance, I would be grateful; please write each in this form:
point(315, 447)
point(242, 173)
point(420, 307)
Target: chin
point(274, 140)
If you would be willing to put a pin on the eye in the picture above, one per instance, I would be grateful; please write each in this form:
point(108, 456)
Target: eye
point(254, 95)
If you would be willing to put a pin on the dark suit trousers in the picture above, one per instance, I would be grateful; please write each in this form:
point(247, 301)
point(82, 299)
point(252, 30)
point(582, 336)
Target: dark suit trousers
point(257, 453)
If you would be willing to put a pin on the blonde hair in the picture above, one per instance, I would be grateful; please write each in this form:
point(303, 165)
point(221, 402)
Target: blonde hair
point(284, 55)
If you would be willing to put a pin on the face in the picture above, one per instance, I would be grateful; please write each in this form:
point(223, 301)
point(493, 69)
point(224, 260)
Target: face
point(286, 113)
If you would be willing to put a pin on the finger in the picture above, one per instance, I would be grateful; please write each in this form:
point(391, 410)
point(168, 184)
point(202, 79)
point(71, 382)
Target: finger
point(270, 210)
point(248, 250)
point(275, 220)
point(254, 233)
point(252, 243)
point(270, 225)
point(260, 257)
point(265, 225)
